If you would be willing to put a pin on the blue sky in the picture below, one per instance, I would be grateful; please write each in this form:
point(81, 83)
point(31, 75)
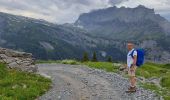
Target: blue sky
point(67, 11)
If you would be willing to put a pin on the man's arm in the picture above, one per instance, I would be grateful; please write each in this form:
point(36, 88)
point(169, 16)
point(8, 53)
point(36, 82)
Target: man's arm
point(134, 60)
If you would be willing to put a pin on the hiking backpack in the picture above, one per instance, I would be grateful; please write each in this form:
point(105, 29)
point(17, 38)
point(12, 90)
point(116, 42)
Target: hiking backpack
point(140, 57)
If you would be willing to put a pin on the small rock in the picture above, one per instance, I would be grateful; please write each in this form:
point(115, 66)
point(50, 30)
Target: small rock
point(24, 86)
point(68, 84)
point(59, 97)
point(15, 86)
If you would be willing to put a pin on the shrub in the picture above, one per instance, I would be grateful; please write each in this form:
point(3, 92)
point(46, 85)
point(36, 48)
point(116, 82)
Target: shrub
point(85, 57)
point(71, 62)
point(94, 59)
point(109, 59)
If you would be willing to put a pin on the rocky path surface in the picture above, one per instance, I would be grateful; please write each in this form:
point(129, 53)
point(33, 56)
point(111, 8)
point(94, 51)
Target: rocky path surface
point(77, 82)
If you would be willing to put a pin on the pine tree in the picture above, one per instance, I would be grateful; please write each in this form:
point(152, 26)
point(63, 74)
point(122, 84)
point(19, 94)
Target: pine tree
point(85, 57)
point(109, 59)
point(94, 59)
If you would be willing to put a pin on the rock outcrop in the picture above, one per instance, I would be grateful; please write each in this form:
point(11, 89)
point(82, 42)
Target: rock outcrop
point(21, 61)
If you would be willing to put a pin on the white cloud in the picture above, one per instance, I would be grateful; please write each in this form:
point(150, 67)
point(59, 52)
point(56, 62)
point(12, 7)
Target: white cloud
point(62, 11)
point(56, 11)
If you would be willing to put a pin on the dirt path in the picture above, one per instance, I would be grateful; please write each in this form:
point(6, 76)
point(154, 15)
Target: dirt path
point(77, 82)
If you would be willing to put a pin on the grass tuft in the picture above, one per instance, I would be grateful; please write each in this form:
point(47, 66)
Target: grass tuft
point(107, 66)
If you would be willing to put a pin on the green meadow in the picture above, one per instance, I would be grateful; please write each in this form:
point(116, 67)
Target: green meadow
point(16, 85)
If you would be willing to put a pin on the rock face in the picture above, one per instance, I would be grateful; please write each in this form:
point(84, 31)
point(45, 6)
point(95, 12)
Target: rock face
point(125, 23)
point(18, 60)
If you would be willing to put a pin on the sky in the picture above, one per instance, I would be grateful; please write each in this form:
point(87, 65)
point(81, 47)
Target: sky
point(67, 11)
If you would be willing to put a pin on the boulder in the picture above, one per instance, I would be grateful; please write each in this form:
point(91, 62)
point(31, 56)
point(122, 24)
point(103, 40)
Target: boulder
point(21, 61)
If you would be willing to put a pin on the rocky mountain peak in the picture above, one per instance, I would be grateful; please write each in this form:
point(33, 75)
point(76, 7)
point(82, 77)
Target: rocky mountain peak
point(114, 13)
point(113, 20)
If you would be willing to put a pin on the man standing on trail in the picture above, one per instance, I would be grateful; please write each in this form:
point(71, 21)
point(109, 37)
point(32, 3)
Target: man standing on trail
point(131, 66)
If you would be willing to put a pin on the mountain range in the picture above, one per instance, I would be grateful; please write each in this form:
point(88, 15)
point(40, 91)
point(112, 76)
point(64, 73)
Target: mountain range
point(104, 31)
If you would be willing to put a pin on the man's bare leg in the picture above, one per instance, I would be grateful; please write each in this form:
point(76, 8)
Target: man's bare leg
point(133, 81)
point(133, 84)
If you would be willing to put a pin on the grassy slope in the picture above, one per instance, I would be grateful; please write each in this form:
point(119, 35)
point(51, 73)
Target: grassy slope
point(148, 70)
point(15, 85)
point(159, 71)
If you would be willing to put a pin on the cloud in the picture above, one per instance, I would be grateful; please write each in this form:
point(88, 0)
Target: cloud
point(56, 11)
point(62, 11)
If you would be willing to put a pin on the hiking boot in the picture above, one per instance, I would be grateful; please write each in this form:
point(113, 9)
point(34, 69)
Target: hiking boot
point(131, 90)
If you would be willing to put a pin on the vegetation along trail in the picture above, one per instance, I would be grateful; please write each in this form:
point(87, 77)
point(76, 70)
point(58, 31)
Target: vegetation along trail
point(78, 82)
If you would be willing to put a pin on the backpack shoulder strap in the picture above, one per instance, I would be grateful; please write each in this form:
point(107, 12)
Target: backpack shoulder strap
point(132, 53)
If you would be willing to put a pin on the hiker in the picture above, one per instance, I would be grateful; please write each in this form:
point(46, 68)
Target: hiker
point(131, 66)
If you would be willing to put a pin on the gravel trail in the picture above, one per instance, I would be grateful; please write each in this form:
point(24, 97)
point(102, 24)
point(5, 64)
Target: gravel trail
point(78, 82)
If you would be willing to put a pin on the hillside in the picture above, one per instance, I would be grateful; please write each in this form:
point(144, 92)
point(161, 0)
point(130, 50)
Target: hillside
point(46, 40)
point(35, 36)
